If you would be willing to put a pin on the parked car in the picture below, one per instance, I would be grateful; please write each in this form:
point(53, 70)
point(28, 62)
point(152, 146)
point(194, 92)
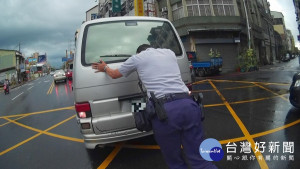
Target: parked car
point(295, 91)
point(293, 56)
point(286, 57)
point(59, 75)
point(2, 83)
point(103, 104)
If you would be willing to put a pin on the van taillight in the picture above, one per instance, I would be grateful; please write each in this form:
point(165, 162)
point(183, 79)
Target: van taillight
point(83, 110)
point(82, 114)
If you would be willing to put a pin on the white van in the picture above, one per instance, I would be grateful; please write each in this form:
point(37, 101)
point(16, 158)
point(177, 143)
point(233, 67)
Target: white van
point(103, 104)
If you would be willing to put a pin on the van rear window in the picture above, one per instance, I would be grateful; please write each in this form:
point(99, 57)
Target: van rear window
point(116, 41)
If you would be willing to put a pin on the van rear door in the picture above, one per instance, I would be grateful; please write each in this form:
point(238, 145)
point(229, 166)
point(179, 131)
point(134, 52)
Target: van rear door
point(114, 41)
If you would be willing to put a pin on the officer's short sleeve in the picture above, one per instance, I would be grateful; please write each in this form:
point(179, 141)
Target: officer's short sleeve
point(128, 66)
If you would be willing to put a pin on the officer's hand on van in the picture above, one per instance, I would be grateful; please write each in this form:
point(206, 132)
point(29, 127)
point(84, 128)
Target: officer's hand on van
point(99, 66)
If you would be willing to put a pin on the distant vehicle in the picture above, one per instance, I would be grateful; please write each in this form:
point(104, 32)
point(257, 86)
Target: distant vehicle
point(103, 104)
point(6, 86)
point(295, 91)
point(6, 89)
point(42, 69)
point(286, 58)
point(1, 83)
point(59, 75)
point(52, 73)
point(70, 71)
point(293, 56)
point(214, 66)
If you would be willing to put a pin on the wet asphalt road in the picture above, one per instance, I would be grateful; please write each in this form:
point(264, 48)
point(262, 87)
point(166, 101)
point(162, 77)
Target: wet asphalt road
point(38, 127)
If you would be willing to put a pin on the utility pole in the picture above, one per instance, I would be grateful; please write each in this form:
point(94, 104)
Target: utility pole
point(66, 59)
point(98, 9)
point(248, 26)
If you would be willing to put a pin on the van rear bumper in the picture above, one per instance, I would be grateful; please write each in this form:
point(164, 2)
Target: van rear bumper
point(92, 140)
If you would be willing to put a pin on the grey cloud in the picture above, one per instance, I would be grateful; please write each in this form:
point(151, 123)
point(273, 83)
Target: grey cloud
point(41, 25)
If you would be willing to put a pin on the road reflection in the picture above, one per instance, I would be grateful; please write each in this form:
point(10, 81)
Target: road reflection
point(67, 87)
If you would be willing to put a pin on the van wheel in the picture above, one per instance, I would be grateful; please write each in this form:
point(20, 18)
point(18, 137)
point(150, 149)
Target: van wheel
point(94, 153)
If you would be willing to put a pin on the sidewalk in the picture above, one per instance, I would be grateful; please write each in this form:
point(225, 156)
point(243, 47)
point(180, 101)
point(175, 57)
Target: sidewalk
point(292, 65)
point(17, 85)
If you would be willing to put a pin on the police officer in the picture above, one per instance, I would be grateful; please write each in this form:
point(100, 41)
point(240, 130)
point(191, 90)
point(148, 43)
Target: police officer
point(159, 72)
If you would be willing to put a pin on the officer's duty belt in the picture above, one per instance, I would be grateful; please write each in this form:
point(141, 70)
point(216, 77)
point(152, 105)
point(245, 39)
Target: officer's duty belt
point(174, 96)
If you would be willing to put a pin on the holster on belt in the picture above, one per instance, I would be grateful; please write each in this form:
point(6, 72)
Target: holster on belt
point(159, 107)
point(198, 97)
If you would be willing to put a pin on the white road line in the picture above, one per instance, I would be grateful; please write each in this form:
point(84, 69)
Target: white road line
point(30, 88)
point(17, 88)
point(17, 96)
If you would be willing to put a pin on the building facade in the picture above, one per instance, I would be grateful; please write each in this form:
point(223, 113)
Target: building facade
point(227, 27)
point(297, 11)
point(279, 26)
point(12, 65)
point(104, 9)
point(290, 41)
point(264, 20)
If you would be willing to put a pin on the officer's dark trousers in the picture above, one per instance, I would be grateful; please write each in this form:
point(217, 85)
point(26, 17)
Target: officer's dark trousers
point(183, 127)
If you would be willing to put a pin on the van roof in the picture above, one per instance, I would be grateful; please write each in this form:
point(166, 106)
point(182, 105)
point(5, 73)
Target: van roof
point(124, 18)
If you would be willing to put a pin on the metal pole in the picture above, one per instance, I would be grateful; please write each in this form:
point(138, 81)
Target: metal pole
point(248, 26)
point(98, 9)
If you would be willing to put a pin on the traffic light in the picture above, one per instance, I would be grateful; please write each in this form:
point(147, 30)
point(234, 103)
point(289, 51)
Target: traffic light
point(116, 5)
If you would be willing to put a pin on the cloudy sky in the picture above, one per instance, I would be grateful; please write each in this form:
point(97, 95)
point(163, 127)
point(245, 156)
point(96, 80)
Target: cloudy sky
point(48, 26)
point(44, 26)
point(288, 10)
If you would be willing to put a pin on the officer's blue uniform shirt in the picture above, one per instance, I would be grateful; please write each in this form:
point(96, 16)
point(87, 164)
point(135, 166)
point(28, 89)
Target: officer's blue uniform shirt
point(158, 70)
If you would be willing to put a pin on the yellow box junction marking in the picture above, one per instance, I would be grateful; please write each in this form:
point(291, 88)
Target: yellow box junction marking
point(276, 94)
point(111, 156)
point(119, 146)
point(14, 120)
point(40, 132)
point(40, 112)
point(262, 163)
